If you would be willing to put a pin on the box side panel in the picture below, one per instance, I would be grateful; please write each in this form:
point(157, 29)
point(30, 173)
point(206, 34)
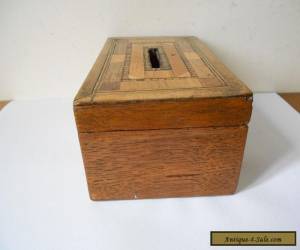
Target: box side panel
point(163, 163)
point(214, 112)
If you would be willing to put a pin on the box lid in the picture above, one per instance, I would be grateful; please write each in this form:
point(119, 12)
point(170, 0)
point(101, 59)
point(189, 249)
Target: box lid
point(161, 76)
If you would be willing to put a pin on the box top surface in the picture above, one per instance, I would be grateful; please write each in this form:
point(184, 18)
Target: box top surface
point(157, 68)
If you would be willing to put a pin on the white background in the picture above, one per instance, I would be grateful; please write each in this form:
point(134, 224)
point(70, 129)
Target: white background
point(48, 47)
point(44, 202)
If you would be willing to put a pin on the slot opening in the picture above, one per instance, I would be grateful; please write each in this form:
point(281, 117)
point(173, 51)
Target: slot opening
point(154, 57)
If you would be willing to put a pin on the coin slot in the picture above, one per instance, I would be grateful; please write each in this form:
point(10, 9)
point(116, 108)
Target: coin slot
point(154, 58)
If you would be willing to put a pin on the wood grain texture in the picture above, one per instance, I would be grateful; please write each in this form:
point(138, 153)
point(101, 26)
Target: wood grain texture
point(198, 65)
point(163, 163)
point(234, 111)
point(160, 84)
point(136, 70)
point(187, 57)
point(87, 89)
point(293, 99)
point(174, 127)
point(178, 67)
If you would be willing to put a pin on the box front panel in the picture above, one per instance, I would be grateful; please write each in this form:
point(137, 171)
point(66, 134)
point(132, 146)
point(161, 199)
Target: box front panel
point(163, 163)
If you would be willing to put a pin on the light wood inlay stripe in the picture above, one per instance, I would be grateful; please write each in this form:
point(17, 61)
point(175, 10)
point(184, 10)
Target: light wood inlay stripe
point(118, 58)
point(113, 76)
point(159, 74)
point(178, 67)
point(198, 65)
point(160, 84)
point(111, 79)
point(136, 68)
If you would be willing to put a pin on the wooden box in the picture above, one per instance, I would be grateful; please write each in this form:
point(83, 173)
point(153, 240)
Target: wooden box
point(161, 117)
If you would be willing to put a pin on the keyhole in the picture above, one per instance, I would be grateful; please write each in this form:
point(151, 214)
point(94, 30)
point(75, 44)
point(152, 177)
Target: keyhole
point(154, 57)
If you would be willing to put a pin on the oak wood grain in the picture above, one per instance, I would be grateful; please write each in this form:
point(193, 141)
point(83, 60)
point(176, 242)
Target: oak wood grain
point(234, 111)
point(163, 163)
point(168, 129)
